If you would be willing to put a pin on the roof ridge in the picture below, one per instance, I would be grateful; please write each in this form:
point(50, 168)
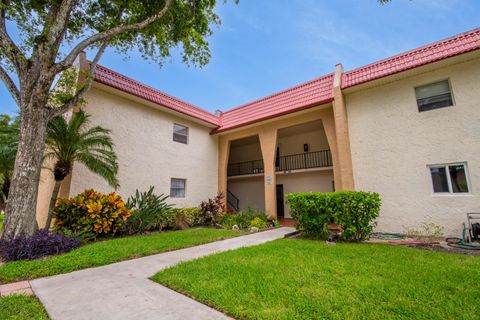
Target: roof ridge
point(301, 95)
point(156, 90)
point(279, 93)
point(414, 50)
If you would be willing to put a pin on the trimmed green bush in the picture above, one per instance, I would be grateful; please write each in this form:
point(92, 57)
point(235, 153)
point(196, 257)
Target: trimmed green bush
point(355, 211)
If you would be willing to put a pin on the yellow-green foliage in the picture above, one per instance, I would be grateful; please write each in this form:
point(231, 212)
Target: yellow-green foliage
point(259, 223)
point(91, 212)
point(182, 218)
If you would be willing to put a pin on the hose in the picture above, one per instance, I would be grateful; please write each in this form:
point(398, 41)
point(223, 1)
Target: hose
point(460, 243)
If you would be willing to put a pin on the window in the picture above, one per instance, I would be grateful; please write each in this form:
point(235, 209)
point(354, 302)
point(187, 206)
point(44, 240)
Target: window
point(449, 178)
point(180, 133)
point(433, 96)
point(177, 188)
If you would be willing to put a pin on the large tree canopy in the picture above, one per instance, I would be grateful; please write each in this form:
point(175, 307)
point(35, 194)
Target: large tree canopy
point(52, 34)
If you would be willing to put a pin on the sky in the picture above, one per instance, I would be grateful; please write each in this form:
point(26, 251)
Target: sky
point(264, 46)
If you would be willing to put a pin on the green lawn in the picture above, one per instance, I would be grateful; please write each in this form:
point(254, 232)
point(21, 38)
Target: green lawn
point(306, 279)
point(106, 252)
point(21, 307)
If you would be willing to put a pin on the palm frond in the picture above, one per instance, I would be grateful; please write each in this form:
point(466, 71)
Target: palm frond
point(104, 167)
point(73, 141)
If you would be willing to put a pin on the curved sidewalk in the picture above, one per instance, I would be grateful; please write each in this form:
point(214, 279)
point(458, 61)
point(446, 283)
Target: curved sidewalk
point(123, 291)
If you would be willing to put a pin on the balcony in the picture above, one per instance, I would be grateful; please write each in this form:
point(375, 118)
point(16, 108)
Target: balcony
point(306, 160)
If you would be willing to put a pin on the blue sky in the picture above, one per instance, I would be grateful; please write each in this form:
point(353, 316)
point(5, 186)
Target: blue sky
point(265, 46)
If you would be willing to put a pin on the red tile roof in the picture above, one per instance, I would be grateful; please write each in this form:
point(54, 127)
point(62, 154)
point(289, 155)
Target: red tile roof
point(303, 96)
point(319, 91)
point(118, 81)
point(308, 94)
point(462, 43)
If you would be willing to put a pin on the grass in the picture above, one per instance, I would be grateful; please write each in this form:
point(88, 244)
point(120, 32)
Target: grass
point(306, 279)
point(21, 307)
point(106, 252)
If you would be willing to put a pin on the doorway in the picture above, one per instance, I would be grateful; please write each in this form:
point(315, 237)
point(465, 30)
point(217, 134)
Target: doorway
point(280, 201)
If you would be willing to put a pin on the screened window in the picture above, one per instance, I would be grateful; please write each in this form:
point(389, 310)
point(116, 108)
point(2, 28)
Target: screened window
point(180, 133)
point(177, 188)
point(433, 96)
point(450, 178)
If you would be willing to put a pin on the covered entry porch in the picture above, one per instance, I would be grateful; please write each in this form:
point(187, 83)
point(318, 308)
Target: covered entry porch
point(259, 165)
point(303, 162)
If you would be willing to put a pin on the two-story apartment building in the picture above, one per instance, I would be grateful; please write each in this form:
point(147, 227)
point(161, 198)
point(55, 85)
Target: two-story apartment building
point(406, 127)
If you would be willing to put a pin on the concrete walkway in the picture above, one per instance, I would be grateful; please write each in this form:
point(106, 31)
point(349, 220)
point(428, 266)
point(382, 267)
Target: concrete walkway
point(123, 290)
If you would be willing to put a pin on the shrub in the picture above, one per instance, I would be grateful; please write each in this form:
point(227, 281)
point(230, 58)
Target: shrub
point(84, 237)
point(355, 211)
point(41, 244)
point(182, 218)
point(212, 209)
point(150, 212)
point(257, 222)
point(91, 212)
point(244, 219)
point(228, 221)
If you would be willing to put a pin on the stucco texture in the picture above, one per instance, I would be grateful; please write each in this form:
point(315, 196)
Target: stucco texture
point(392, 145)
point(308, 181)
point(147, 154)
point(249, 190)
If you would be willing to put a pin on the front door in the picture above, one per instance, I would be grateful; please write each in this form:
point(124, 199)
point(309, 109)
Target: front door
point(280, 202)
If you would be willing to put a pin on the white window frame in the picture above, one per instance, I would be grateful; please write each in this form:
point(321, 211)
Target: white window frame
point(173, 132)
point(449, 180)
point(430, 83)
point(184, 188)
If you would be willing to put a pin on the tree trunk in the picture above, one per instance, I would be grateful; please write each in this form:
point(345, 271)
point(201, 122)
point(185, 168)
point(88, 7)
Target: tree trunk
point(53, 200)
point(22, 199)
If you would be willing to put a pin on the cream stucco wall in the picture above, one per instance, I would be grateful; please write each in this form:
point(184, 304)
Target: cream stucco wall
point(319, 181)
point(147, 154)
point(249, 190)
point(291, 144)
point(392, 144)
point(247, 152)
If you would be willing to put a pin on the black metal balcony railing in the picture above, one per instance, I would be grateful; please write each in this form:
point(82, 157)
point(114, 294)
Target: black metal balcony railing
point(306, 160)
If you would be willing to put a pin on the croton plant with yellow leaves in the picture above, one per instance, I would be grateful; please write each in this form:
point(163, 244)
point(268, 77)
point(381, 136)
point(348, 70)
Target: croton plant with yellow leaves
point(91, 212)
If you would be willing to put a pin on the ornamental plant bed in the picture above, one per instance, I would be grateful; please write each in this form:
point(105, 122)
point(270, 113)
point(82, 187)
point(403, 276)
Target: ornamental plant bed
point(248, 220)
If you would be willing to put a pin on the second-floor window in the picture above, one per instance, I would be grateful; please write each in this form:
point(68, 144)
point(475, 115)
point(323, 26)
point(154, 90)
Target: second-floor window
point(433, 96)
point(180, 133)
